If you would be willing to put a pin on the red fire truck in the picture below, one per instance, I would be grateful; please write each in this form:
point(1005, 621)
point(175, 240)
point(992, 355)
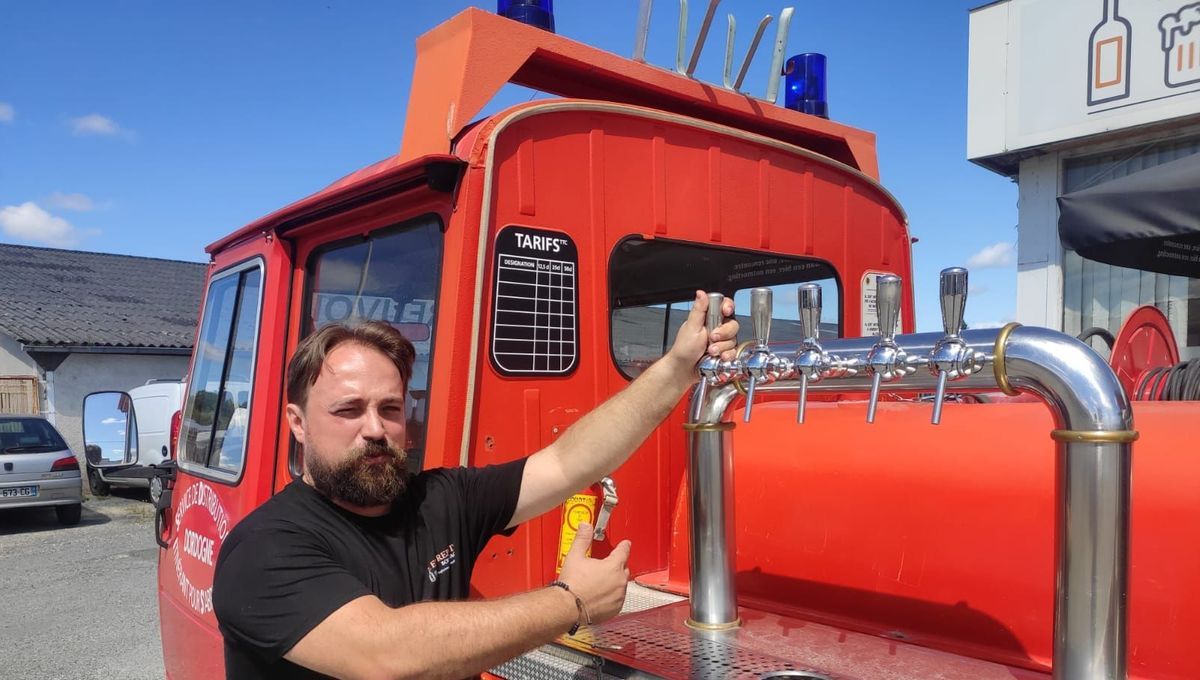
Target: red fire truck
point(540, 257)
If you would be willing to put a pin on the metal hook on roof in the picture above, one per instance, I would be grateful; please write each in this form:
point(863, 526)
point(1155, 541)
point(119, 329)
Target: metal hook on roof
point(727, 72)
point(781, 36)
point(643, 31)
point(681, 36)
point(758, 34)
point(703, 37)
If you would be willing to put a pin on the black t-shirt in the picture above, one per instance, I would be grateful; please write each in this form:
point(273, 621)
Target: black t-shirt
point(299, 557)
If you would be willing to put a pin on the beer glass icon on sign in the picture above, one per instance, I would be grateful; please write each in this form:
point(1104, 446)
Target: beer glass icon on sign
point(1108, 57)
point(1181, 46)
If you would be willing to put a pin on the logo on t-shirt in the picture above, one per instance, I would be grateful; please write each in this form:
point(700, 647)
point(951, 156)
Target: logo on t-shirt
point(441, 563)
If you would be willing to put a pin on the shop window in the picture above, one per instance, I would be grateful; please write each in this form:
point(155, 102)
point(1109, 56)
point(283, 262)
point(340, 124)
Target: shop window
point(1098, 295)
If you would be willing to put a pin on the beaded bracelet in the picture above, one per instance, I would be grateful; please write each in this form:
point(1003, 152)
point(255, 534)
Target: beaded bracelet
point(584, 617)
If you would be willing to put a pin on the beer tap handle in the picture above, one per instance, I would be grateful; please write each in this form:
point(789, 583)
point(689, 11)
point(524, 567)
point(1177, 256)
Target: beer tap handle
point(715, 314)
point(887, 303)
point(887, 307)
point(808, 299)
point(709, 365)
point(953, 297)
point(760, 315)
point(761, 309)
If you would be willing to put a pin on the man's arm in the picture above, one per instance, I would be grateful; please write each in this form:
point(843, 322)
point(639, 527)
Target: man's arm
point(605, 438)
point(365, 638)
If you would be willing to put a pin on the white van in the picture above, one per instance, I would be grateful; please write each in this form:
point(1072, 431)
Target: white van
point(153, 413)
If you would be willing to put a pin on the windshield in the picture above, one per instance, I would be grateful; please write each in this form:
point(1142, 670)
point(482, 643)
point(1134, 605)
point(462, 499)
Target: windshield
point(29, 435)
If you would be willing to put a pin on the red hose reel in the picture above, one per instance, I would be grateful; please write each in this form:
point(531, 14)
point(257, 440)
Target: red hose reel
point(1145, 342)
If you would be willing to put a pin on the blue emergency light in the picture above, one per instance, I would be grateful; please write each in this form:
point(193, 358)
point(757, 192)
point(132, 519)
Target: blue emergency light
point(539, 13)
point(804, 84)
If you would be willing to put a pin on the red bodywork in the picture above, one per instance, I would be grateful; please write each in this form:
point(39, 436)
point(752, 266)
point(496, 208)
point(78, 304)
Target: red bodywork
point(939, 537)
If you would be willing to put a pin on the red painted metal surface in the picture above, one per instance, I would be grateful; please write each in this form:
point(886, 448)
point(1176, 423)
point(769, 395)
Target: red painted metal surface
point(944, 535)
point(591, 175)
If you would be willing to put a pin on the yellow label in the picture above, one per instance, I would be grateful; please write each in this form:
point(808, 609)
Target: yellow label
point(578, 509)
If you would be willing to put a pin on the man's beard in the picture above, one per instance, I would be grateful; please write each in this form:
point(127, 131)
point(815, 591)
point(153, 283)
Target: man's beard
point(360, 482)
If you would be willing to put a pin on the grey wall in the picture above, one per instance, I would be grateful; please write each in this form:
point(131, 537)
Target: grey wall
point(14, 360)
point(82, 374)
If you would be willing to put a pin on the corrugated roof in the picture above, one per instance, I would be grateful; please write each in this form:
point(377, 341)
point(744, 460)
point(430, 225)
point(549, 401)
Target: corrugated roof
point(70, 297)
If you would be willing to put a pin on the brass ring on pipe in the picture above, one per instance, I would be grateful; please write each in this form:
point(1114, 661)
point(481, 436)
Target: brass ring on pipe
point(998, 367)
point(737, 353)
point(1095, 436)
point(737, 623)
point(708, 427)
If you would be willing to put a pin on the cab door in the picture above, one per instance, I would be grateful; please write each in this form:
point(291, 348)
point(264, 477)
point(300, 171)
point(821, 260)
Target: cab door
point(233, 390)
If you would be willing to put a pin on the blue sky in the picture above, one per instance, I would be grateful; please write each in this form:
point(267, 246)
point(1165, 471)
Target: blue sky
point(152, 128)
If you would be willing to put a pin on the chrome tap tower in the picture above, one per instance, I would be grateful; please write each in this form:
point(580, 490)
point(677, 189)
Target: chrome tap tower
point(1094, 441)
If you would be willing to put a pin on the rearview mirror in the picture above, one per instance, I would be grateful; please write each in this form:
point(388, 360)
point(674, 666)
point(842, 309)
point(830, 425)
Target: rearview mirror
point(109, 429)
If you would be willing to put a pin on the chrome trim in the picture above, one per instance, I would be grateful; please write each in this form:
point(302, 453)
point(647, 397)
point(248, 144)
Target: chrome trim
point(1093, 451)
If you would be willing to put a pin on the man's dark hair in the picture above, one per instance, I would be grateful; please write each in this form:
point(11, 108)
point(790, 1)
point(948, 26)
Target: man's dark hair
point(310, 354)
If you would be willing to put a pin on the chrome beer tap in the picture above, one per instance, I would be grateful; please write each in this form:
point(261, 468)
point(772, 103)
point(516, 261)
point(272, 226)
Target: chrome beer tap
point(712, 372)
point(761, 365)
point(811, 361)
point(951, 358)
point(886, 361)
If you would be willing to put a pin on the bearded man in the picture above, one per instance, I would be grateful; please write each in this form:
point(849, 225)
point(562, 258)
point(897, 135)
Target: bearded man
point(358, 569)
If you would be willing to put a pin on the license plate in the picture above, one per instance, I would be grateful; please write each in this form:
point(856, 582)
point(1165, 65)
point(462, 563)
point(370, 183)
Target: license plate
point(19, 492)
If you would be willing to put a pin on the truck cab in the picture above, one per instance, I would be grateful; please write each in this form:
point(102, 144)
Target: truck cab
point(539, 258)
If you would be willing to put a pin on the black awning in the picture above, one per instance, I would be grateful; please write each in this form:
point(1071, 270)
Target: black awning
point(1149, 220)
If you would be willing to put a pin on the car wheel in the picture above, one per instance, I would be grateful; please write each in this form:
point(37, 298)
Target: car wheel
point(68, 515)
point(156, 489)
point(98, 486)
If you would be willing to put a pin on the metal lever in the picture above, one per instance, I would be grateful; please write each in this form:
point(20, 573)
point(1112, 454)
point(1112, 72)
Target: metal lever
point(885, 355)
point(710, 366)
point(759, 363)
point(610, 503)
point(948, 358)
point(810, 360)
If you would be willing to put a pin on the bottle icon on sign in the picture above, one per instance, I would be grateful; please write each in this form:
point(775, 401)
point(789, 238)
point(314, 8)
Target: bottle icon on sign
point(1181, 45)
point(1108, 57)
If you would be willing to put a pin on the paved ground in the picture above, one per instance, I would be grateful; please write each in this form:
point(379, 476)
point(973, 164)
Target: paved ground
point(79, 602)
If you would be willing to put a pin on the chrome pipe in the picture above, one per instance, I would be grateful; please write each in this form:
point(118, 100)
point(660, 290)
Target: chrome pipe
point(710, 479)
point(1093, 492)
point(1093, 478)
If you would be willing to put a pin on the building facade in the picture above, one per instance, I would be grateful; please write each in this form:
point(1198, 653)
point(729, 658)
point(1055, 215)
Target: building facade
point(1064, 95)
point(74, 322)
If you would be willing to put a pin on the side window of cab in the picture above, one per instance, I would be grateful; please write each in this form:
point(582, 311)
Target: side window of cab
point(216, 412)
